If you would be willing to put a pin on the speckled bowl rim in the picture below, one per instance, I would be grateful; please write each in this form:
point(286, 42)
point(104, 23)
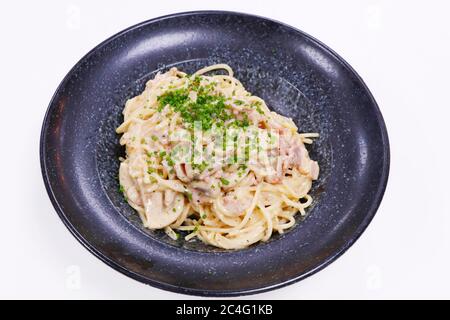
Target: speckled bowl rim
point(216, 293)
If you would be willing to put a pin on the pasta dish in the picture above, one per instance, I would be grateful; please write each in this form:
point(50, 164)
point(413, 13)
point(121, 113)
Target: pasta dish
point(205, 158)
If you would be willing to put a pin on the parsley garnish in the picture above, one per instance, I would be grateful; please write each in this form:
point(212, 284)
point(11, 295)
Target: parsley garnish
point(258, 108)
point(201, 167)
point(169, 160)
point(208, 108)
point(122, 191)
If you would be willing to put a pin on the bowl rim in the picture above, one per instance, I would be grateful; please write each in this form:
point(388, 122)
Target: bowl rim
point(203, 292)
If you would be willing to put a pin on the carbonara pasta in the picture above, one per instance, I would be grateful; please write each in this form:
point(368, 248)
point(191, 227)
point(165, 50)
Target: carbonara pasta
point(206, 159)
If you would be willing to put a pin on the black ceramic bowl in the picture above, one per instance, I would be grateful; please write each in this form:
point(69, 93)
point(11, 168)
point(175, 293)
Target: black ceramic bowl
point(297, 75)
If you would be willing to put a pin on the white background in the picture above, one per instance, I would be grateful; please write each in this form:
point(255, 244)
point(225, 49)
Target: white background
point(401, 50)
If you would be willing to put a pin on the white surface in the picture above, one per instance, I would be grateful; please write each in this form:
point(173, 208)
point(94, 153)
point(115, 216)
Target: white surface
point(402, 51)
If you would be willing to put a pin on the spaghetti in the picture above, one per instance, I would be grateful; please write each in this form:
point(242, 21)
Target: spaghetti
point(206, 157)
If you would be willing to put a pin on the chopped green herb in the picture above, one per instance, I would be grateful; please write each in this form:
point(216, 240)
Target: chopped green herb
point(208, 108)
point(170, 162)
point(154, 138)
point(257, 105)
point(201, 167)
point(242, 123)
point(224, 181)
point(258, 108)
point(122, 191)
